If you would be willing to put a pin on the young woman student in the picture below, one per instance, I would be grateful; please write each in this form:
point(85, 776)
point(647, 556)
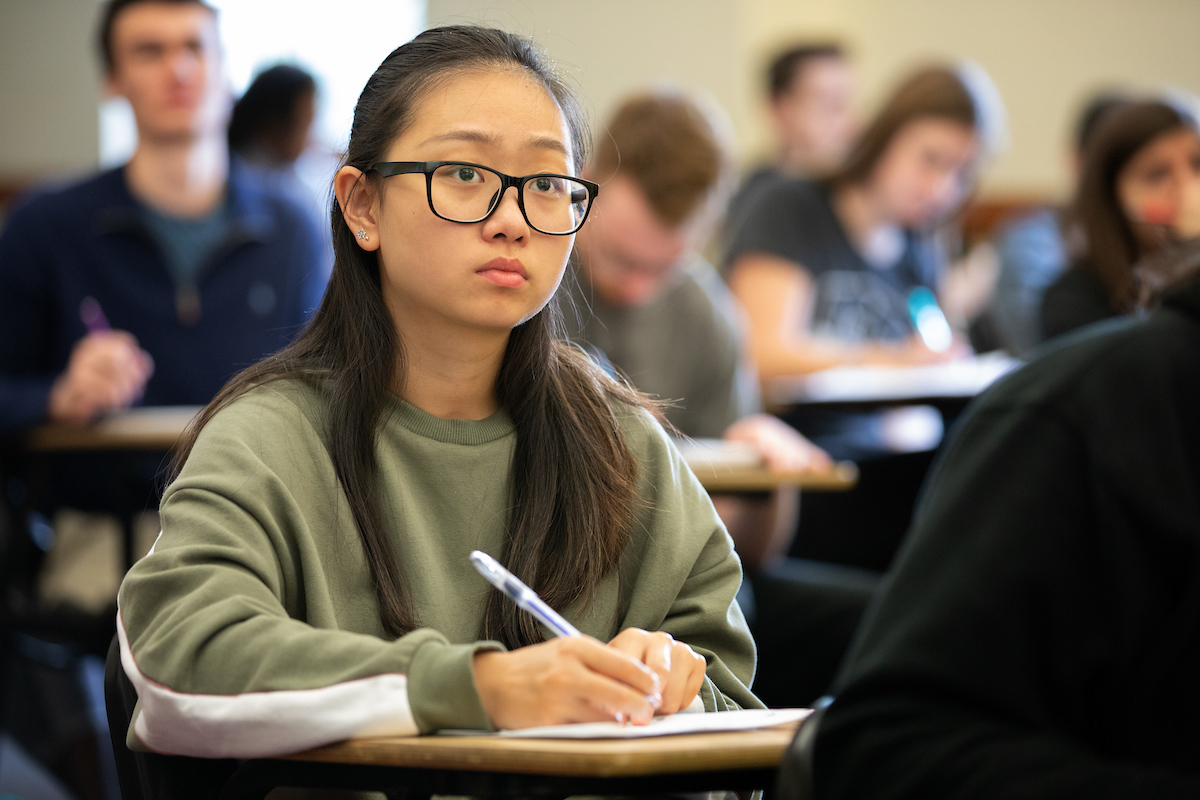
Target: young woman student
point(1135, 169)
point(824, 267)
point(312, 580)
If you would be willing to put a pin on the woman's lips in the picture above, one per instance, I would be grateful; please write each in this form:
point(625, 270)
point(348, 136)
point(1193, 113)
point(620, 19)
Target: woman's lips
point(507, 272)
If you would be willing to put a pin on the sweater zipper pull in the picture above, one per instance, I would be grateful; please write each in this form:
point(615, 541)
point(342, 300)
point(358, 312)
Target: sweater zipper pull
point(187, 305)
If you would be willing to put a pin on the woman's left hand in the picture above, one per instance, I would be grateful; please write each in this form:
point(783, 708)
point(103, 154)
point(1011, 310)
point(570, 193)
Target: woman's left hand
point(680, 670)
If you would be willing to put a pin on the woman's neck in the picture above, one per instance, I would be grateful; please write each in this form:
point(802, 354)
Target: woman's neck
point(859, 213)
point(181, 178)
point(451, 374)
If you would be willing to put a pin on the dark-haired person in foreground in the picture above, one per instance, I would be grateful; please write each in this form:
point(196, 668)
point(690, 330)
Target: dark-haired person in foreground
point(1040, 635)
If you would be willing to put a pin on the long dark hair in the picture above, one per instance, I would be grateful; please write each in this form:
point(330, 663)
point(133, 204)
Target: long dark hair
point(935, 91)
point(1111, 246)
point(572, 481)
point(268, 108)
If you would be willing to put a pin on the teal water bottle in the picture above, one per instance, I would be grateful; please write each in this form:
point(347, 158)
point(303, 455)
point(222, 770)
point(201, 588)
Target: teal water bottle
point(929, 320)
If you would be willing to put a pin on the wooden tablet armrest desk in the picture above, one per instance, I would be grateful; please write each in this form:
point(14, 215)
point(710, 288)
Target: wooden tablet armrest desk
point(488, 766)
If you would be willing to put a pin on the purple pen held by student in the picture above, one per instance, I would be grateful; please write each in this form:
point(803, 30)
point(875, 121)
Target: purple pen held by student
point(93, 316)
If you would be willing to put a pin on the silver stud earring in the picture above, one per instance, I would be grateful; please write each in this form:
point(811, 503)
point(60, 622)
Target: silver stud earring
point(362, 234)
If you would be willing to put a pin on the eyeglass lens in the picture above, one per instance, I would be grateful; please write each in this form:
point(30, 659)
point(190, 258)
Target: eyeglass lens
point(464, 193)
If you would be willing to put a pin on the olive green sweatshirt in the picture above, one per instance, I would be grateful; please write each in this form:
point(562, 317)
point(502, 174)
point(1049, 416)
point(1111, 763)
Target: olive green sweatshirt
point(251, 628)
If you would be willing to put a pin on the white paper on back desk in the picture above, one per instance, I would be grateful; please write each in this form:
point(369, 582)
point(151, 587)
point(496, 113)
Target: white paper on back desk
point(666, 726)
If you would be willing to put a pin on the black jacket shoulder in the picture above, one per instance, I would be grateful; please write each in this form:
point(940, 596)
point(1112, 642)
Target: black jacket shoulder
point(1076, 299)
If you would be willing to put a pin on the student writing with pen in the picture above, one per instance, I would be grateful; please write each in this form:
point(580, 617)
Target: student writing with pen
point(312, 580)
point(199, 269)
point(107, 370)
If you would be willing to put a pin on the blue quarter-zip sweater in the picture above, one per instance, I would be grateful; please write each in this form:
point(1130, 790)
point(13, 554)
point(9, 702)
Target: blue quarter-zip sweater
point(251, 296)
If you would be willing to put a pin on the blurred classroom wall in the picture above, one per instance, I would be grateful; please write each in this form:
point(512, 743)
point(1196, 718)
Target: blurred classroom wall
point(612, 47)
point(49, 95)
point(1044, 56)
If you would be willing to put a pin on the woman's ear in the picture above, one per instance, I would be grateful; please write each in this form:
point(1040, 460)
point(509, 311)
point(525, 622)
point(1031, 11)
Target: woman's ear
point(356, 198)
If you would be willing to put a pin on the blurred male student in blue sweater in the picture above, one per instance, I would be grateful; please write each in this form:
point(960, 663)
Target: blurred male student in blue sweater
point(156, 281)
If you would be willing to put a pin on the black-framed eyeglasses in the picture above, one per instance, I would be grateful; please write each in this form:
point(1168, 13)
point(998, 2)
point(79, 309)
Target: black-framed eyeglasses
point(459, 191)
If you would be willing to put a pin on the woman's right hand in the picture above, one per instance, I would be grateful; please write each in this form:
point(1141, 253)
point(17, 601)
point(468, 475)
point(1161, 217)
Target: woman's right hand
point(106, 371)
point(565, 680)
point(910, 352)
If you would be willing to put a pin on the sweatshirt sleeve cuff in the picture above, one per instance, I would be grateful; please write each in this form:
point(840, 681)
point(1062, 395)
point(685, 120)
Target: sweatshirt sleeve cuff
point(441, 687)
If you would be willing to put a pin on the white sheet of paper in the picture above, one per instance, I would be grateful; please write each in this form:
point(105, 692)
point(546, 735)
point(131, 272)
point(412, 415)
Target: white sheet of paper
point(963, 378)
point(666, 726)
point(714, 454)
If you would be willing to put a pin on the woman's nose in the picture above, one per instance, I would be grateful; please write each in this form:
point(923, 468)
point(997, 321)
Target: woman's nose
point(507, 219)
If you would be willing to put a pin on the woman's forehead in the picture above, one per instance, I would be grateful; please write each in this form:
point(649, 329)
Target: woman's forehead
point(1180, 141)
point(494, 109)
point(931, 127)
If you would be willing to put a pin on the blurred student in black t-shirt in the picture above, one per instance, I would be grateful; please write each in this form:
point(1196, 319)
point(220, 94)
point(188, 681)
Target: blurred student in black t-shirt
point(829, 270)
point(824, 267)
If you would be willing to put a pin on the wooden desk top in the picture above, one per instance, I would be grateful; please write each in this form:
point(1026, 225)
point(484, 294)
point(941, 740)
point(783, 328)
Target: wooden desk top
point(725, 466)
point(157, 429)
point(715, 478)
point(701, 752)
point(152, 429)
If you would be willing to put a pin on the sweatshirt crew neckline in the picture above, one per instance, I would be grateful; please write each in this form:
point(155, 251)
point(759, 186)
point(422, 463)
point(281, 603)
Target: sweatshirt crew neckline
point(451, 431)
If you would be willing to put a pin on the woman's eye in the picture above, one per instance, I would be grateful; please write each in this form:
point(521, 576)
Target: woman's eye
point(934, 161)
point(466, 174)
point(543, 184)
point(1156, 174)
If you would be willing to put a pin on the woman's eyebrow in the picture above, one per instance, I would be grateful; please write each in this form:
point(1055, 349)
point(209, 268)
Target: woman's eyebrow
point(482, 137)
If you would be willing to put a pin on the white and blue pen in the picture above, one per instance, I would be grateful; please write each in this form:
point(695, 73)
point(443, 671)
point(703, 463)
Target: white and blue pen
point(522, 595)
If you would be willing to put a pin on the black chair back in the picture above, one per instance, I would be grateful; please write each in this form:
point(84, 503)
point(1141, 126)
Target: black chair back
point(795, 781)
point(119, 708)
point(150, 776)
